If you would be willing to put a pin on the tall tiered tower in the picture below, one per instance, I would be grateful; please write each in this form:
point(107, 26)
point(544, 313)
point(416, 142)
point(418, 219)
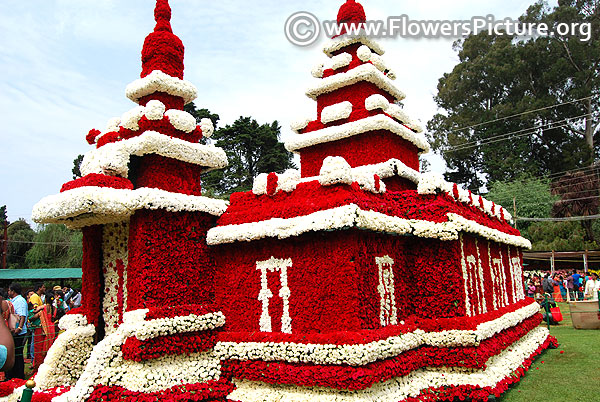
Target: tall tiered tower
point(147, 272)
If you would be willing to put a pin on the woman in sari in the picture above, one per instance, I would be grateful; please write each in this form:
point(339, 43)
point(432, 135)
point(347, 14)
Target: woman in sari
point(45, 334)
point(557, 294)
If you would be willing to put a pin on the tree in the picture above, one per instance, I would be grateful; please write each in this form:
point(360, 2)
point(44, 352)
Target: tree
point(559, 236)
point(20, 240)
point(578, 193)
point(532, 197)
point(77, 167)
point(200, 114)
point(55, 247)
point(251, 149)
point(514, 107)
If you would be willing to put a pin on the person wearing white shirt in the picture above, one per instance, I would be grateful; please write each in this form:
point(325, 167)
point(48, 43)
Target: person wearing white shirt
point(592, 286)
point(20, 332)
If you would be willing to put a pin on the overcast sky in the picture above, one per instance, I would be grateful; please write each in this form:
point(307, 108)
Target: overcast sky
point(64, 65)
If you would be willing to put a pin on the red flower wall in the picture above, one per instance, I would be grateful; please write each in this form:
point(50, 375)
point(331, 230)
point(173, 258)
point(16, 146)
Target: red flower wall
point(358, 150)
point(169, 261)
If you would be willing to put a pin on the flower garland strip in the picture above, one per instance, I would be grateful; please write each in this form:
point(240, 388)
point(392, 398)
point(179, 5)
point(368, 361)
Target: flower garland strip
point(97, 180)
point(363, 175)
point(365, 72)
point(353, 216)
point(186, 343)
point(343, 41)
point(208, 391)
point(499, 368)
point(372, 123)
point(432, 183)
point(152, 117)
point(87, 206)
point(66, 359)
point(357, 349)
point(7, 387)
point(157, 81)
point(47, 395)
point(355, 378)
point(114, 158)
point(144, 330)
point(107, 366)
point(312, 197)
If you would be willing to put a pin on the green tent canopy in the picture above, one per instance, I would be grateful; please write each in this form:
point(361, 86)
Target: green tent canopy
point(42, 273)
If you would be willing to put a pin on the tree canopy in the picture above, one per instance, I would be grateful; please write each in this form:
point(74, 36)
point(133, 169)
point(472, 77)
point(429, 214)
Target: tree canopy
point(20, 240)
point(55, 246)
point(513, 106)
point(251, 149)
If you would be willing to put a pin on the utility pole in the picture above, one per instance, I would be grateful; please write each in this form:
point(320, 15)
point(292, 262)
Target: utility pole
point(515, 210)
point(5, 244)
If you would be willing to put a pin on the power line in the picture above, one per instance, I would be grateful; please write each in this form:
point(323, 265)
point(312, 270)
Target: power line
point(42, 242)
point(520, 114)
point(565, 219)
point(505, 136)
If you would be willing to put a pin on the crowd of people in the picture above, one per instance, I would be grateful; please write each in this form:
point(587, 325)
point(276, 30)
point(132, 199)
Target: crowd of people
point(563, 286)
point(32, 318)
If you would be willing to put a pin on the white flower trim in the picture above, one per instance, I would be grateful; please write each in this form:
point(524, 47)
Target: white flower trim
point(469, 226)
point(352, 216)
point(342, 41)
point(175, 325)
point(164, 372)
point(157, 81)
point(390, 168)
point(336, 112)
point(70, 321)
point(364, 53)
point(365, 72)
point(340, 60)
point(300, 124)
point(86, 206)
point(106, 364)
point(354, 355)
point(115, 238)
point(286, 181)
point(181, 120)
point(400, 388)
point(155, 110)
point(274, 264)
point(431, 183)
point(335, 170)
point(113, 124)
point(378, 101)
point(113, 158)
point(381, 66)
point(396, 112)
point(131, 118)
point(67, 356)
point(207, 127)
point(363, 175)
point(318, 70)
point(372, 123)
point(15, 396)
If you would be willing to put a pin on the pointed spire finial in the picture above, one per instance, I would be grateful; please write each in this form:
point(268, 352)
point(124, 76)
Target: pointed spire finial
point(162, 16)
point(351, 12)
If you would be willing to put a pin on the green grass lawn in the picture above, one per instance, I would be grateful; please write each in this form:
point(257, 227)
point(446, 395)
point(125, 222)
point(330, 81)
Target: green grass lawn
point(557, 377)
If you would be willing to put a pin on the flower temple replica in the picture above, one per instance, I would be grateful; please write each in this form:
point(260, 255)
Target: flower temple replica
point(356, 278)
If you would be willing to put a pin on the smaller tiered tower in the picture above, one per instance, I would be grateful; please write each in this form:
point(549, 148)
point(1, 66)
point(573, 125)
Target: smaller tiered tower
point(356, 108)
